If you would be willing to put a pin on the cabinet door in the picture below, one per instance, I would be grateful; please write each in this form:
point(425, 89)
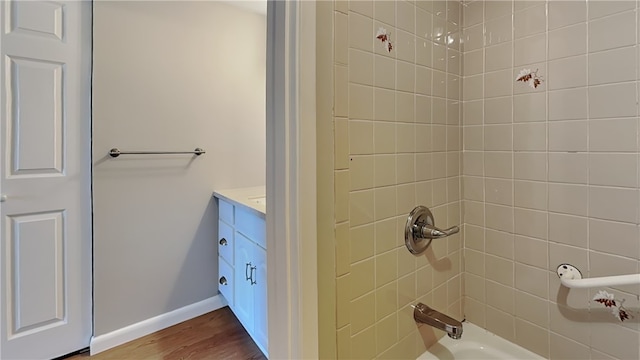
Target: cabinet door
point(260, 329)
point(243, 297)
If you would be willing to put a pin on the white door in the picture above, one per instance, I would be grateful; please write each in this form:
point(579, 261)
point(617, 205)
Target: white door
point(45, 179)
point(243, 297)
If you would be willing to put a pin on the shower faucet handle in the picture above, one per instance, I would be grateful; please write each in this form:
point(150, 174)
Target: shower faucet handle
point(420, 230)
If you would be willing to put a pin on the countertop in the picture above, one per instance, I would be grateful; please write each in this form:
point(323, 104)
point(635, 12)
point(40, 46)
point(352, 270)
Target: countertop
point(251, 197)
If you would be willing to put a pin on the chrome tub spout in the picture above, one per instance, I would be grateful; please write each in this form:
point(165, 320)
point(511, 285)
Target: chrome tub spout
point(426, 315)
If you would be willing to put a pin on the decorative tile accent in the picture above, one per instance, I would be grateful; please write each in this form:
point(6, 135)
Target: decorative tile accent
point(530, 78)
point(385, 37)
point(617, 308)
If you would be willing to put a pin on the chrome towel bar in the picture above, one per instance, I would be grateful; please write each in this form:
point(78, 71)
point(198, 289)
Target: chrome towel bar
point(115, 152)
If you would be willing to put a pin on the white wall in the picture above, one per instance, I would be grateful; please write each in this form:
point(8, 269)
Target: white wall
point(169, 76)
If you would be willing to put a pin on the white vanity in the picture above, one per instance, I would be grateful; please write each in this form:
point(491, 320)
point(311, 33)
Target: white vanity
point(242, 258)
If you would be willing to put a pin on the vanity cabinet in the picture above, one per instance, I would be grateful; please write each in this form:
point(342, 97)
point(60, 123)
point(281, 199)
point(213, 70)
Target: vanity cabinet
point(242, 259)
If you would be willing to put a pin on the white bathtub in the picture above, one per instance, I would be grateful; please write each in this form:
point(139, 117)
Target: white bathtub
point(477, 343)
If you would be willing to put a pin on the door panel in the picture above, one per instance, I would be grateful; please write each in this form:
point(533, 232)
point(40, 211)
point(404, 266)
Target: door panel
point(243, 297)
point(45, 227)
point(260, 297)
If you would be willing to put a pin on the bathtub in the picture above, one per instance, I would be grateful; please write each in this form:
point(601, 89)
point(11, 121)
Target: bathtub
point(477, 343)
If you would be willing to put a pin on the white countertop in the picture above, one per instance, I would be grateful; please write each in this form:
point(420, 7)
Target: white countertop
point(251, 197)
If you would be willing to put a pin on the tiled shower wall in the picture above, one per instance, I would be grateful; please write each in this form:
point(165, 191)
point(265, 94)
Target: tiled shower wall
point(397, 138)
point(550, 174)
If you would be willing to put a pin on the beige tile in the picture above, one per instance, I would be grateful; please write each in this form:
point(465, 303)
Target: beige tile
point(498, 83)
point(405, 76)
point(361, 344)
point(405, 16)
point(423, 80)
point(612, 32)
point(341, 6)
point(615, 340)
point(474, 262)
point(343, 337)
point(362, 278)
point(385, 11)
point(362, 312)
point(406, 289)
point(562, 348)
point(361, 172)
point(500, 296)
point(570, 104)
point(499, 217)
point(498, 110)
point(406, 323)
point(498, 137)
point(568, 136)
point(568, 199)
point(384, 72)
point(498, 57)
point(576, 298)
point(530, 166)
point(454, 12)
point(406, 199)
point(473, 163)
point(341, 95)
point(343, 249)
point(568, 41)
point(530, 50)
point(454, 62)
point(530, 21)
point(499, 243)
point(386, 300)
point(498, 164)
point(472, 87)
point(423, 109)
point(439, 166)
point(361, 207)
point(453, 87)
point(385, 202)
point(343, 299)
point(473, 188)
point(472, 13)
point(474, 311)
point(612, 66)
point(360, 67)
point(498, 191)
point(360, 137)
point(613, 169)
point(613, 135)
point(385, 105)
point(531, 251)
point(386, 333)
point(360, 31)
point(342, 206)
point(384, 173)
point(406, 261)
point(439, 58)
point(568, 167)
point(423, 167)
point(405, 104)
point(532, 308)
point(495, 9)
point(500, 323)
point(439, 30)
point(384, 135)
point(424, 23)
point(531, 223)
point(561, 254)
point(564, 13)
point(531, 195)
point(613, 237)
point(360, 102)
point(532, 337)
point(568, 322)
point(473, 138)
point(424, 280)
point(341, 143)
point(499, 270)
point(424, 193)
point(532, 280)
point(567, 73)
point(439, 192)
point(616, 100)
point(529, 107)
point(498, 30)
point(439, 116)
point(341, 39)
point(567, 229)
point(474, 287)
point(364, 7)
point(474, 38)
point(405, 45)
point(608, 265)
point(385, 235)
point(405, 138)
point(361, 242)
point(597, 9)
point(530, 136)
point(473, 213)
point(613, 204)
point(472, 63)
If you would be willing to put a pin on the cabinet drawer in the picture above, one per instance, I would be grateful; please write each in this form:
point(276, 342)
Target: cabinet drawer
point(226, 211)
point(252, 226)
point(225, 241)
point(225, 281)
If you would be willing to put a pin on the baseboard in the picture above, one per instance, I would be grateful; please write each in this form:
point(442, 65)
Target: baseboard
point(118, 337)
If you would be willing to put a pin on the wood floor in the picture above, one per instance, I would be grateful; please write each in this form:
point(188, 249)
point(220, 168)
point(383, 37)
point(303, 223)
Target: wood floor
point(216, 335)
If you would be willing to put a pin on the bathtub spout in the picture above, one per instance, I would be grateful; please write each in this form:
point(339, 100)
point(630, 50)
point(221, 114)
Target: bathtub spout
point(426, 315)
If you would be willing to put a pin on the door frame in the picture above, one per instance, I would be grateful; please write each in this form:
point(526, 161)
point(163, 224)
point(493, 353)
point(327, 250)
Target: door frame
point(291, 180)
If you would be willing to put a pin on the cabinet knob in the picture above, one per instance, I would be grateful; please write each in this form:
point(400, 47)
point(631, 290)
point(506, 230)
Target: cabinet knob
point(223, 281)
point(223, 242)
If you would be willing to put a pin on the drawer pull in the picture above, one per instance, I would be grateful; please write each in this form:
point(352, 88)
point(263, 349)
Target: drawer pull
point(223, 281)
point(223, 242)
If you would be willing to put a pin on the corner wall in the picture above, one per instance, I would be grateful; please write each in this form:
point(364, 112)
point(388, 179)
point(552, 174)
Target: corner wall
point(396, 137)
point(550, 174)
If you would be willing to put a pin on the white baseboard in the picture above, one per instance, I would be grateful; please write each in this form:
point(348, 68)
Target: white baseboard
point(118, 337)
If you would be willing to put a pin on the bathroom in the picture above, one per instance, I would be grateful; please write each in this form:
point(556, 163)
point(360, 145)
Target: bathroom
point(536, 175)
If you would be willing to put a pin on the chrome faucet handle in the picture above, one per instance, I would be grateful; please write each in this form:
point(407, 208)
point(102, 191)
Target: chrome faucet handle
point(420, 229)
